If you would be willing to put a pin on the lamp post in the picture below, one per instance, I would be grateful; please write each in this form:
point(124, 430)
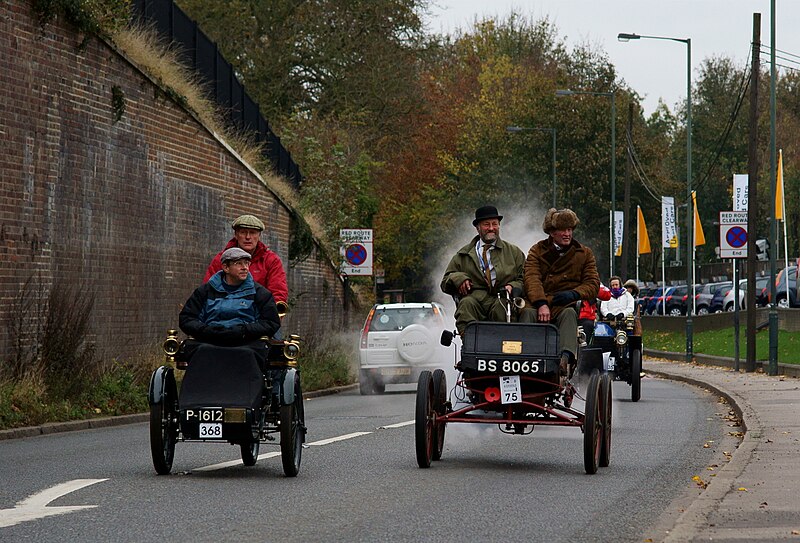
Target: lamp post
point(553, 133)
point(568, 92)
point(689, 203)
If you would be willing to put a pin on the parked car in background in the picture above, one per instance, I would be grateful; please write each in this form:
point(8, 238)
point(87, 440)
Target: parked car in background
point(727, 302)
point(398, 341)
point(780, 288)
point(645, 293)
point(675, 302)
point(703, 297)
point(654, 299)
point(762, 284)
point(717, 300)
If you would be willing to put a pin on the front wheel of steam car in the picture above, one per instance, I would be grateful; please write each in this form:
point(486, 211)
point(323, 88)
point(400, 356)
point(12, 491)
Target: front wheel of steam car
point(292, 429)
point(250, 453)
point(439, 406)
point(163, 430)
point(605, 397)
point(593, 425)
point(423, 420)
point(636, 375)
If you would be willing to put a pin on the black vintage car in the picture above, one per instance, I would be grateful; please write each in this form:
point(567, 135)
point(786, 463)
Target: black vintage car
point(621, 342)
point(510, 377)
point(225, 397)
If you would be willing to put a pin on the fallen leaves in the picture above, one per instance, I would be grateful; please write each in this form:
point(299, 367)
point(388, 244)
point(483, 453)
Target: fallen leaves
point(699, 481)
point(742, 489)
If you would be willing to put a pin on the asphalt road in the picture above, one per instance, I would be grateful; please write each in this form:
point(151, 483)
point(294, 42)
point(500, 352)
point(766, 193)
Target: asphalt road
point(366, 486)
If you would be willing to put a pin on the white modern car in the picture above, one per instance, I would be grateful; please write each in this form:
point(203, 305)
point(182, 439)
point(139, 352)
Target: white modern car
point(398, 341)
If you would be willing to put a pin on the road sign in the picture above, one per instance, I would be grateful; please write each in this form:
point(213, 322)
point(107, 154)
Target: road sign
point(356, 251)
point(733, 234)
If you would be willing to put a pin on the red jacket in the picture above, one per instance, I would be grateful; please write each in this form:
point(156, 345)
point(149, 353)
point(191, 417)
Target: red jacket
point(265, 267)
point(589, 310)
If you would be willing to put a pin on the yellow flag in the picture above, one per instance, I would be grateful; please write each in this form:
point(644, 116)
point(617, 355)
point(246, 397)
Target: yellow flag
point(699, 237)
point(779, 188)
point(644, 239)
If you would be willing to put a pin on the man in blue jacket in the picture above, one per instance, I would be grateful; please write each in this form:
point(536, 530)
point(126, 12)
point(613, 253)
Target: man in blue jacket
point(231, 309)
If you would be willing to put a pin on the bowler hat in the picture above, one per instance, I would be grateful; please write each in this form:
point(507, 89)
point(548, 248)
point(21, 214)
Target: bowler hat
point(486, 212)
point(248, 221)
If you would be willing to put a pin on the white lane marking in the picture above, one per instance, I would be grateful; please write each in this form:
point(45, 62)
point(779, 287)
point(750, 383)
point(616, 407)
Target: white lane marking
point(35, 506)
point(319, 443)
point(339, 438)
point(222, 465)
point(398, 425)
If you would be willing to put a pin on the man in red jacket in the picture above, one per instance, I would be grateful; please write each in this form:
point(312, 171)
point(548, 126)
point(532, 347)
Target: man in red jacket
point(265, 266)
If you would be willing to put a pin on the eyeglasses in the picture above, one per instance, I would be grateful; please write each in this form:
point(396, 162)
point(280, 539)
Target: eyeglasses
point(244, 263)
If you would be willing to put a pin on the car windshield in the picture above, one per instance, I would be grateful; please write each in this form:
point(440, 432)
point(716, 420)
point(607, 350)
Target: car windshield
point(395, 318)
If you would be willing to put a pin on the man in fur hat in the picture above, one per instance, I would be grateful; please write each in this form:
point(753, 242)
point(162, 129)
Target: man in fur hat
point(482, 268)
point(559, 271)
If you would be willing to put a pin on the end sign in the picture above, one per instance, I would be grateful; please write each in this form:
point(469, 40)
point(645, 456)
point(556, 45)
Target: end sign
point(733, 234)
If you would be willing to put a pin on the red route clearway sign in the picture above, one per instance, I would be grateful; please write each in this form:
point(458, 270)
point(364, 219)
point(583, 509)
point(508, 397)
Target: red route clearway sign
point(733, 234)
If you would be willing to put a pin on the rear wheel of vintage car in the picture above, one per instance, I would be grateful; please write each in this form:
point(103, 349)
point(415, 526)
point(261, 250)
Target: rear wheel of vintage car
point(636, 374)
point(292, 433)
point(416, 344)
point(250, 453)
point(163, 432)
point(605, 396)
point(423, 421)
point(439, 401)
point(592, 425)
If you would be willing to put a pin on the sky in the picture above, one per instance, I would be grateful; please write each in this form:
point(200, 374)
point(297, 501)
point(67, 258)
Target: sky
point(653, 68)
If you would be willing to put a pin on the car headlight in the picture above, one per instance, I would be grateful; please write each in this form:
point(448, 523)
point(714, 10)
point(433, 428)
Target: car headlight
point(621, 338)
point(171, 345)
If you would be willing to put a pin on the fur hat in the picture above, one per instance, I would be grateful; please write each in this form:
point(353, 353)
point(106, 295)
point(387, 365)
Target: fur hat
point(559, 220)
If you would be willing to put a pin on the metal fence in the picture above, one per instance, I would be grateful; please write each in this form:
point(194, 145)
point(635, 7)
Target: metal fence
point(202, 55)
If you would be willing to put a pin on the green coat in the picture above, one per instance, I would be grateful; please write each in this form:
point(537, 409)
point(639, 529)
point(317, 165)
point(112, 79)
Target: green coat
point(508, 261)
point(547, 273)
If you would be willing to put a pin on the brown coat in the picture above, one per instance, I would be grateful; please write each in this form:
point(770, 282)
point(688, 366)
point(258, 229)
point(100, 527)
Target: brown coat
point(547, 273)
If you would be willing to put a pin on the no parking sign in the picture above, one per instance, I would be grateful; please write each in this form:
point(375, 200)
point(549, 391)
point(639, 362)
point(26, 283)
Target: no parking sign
point(733, 234)
point(356, 251)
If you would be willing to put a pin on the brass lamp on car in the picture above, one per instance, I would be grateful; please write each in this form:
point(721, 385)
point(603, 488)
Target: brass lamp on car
point(621, 338)
point(171, 345)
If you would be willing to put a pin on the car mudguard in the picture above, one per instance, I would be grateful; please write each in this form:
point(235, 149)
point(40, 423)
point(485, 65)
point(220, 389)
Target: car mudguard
point(162, 377)
point(287, 385)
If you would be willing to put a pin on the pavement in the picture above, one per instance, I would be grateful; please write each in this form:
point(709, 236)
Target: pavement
point(754, 496)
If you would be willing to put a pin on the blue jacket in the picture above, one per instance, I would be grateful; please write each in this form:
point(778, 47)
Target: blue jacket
point(219, 313)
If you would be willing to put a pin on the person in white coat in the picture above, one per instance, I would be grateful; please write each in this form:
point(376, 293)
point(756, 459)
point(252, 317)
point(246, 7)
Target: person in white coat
point(621, 302)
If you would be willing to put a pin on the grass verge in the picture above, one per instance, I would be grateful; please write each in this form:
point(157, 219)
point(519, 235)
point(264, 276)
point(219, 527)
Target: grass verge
point(722, 343)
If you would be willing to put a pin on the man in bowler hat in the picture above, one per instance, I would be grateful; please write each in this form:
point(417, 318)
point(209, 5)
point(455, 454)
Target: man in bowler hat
point(481, 269)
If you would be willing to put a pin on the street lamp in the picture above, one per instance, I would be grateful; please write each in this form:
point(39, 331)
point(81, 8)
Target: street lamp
point(567, 92)
point(553, 133)
point(689, 203)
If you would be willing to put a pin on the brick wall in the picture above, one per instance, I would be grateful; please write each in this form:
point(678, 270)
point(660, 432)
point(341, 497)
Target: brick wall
point(131, 210)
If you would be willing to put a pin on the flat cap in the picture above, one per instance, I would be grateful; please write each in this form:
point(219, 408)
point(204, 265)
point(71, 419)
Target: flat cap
point(248, 221)
point(233, 254)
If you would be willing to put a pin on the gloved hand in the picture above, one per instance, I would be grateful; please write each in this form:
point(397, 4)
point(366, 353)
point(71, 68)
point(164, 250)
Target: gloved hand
point(620, 316)
point(565, 297)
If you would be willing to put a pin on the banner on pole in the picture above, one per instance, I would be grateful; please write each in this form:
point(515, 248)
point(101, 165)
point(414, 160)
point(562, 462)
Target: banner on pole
point(619, 231)
point(699, 235)
point(779, 209)
point(641, 231)
point(669, 234)
point(740, 191)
